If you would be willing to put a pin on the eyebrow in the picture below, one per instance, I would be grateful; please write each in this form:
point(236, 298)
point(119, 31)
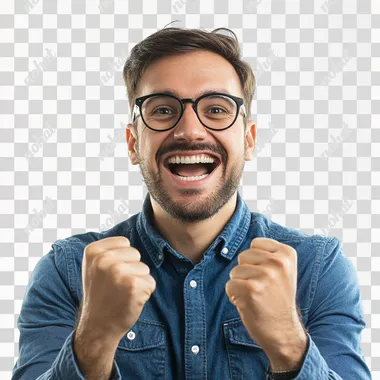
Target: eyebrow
point(171, 91)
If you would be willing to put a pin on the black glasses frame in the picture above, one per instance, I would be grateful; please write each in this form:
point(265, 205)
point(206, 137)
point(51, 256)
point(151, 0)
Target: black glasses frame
point(239, 104)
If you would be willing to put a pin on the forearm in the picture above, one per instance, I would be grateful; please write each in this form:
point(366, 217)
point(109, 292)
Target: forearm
point(94, 354)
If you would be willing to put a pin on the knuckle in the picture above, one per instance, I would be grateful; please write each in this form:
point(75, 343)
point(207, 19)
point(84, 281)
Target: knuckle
point(274, 260)
point(233, 272)
point(251, 286)
point(116, 272)
point(125, 240)
point(145, 268)
point(117, 239)
point(153, 282)
point(134, 251)
point(241, 258)
point(101, 262)
point(255, 287)
point(131, 282)
point(89, 251)
point(278, 260)
point(284, 263)
point(280, 263)
point(271, 275)
point(289, 251)
point(292, 254)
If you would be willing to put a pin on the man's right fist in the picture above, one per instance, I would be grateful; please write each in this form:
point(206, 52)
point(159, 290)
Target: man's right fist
point(116, 286)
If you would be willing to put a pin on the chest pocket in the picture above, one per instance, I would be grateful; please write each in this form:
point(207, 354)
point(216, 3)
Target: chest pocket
point(141, 353)
point(246, 358)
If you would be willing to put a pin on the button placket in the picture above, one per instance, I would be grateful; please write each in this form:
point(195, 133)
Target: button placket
point(194, 302)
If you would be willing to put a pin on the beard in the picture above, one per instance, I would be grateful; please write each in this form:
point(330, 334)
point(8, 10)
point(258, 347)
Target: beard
point(193, 205)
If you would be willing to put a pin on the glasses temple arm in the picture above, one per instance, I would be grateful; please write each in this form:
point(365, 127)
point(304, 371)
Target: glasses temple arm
point(135, 113)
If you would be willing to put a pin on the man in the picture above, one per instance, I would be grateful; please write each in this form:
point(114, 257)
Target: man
point(195, 286)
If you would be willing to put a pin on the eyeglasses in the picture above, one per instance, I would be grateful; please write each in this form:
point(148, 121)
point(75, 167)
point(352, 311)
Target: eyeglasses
point(161, 112)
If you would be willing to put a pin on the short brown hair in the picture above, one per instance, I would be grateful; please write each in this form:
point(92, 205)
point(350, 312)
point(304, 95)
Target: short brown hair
point(171, 41)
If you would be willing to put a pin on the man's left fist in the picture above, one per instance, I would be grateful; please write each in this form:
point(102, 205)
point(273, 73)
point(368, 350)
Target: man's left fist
point(263, 288)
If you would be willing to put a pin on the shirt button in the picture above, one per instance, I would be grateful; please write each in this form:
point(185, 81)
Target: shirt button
point(225, 251)
point(195, 349)
point(193, 284)
point(131, 335)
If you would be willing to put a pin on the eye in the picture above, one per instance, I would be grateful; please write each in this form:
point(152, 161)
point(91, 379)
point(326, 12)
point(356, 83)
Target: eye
point(220, 110)
point(161, 109)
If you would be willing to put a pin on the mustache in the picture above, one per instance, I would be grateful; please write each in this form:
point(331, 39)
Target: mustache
point(187, 148)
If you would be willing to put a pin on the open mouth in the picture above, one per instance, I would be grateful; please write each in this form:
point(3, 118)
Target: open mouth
point(192, 171)
point(208, 167)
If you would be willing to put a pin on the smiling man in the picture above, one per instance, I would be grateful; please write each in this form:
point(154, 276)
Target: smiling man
point(191, 153)
point(195, 286)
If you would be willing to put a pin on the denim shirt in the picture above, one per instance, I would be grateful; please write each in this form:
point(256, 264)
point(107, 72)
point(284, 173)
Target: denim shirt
point(189, 329)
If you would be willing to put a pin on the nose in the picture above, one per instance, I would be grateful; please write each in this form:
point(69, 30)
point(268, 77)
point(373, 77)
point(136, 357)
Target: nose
point(189, 127)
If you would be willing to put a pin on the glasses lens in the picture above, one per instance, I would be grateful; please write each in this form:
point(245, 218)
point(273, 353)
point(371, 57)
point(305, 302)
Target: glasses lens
point(217, 111)
point(161, 112)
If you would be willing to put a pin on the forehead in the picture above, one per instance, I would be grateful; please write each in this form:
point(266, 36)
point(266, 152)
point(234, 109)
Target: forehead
point(190, 74)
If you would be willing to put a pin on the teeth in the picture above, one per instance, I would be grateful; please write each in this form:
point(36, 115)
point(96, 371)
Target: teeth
point(197, 178)
point(190, 160)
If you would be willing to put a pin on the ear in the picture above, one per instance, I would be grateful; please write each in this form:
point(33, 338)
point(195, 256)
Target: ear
point(131, 141)
point(250, 140)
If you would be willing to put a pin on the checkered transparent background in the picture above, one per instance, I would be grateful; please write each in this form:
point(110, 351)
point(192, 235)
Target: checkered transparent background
point(63, 154)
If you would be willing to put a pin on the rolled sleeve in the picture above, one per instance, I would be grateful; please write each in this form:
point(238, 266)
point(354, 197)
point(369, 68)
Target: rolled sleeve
point(47, 323)
point(66, 363)
point(335, 322)
point(314, 366)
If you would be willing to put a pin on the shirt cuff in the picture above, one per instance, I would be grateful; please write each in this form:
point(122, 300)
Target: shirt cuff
point(65, 365)
point(314, 365)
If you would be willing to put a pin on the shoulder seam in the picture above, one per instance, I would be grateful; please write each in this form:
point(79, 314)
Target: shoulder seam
point(70, 266)
point(322, 248)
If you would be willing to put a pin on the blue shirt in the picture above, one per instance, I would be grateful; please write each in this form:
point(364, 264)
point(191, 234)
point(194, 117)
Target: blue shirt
point(189, 329)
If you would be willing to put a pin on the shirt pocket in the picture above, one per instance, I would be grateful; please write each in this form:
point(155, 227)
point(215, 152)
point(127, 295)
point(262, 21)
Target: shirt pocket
point(141, 353)
point(246, 359)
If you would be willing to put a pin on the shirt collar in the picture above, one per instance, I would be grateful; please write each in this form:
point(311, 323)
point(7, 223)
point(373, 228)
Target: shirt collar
point(229, 239)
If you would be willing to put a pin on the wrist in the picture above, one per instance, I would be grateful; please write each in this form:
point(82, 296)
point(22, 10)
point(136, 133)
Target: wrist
point(95, 340)
point(93, 330)
point(291, 358)
point(94, 358)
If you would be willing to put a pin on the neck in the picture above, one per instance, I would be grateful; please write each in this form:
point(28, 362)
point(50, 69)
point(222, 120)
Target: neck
point(192, 239)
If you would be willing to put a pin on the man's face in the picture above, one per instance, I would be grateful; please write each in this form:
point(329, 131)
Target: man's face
point(188, 75)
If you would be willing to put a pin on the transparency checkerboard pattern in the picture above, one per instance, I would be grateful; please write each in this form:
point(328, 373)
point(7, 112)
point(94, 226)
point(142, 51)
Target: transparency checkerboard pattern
point(63, 112)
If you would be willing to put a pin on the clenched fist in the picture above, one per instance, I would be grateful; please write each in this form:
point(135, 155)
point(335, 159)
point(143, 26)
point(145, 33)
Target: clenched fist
point(263, 288)
point(116, 286)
